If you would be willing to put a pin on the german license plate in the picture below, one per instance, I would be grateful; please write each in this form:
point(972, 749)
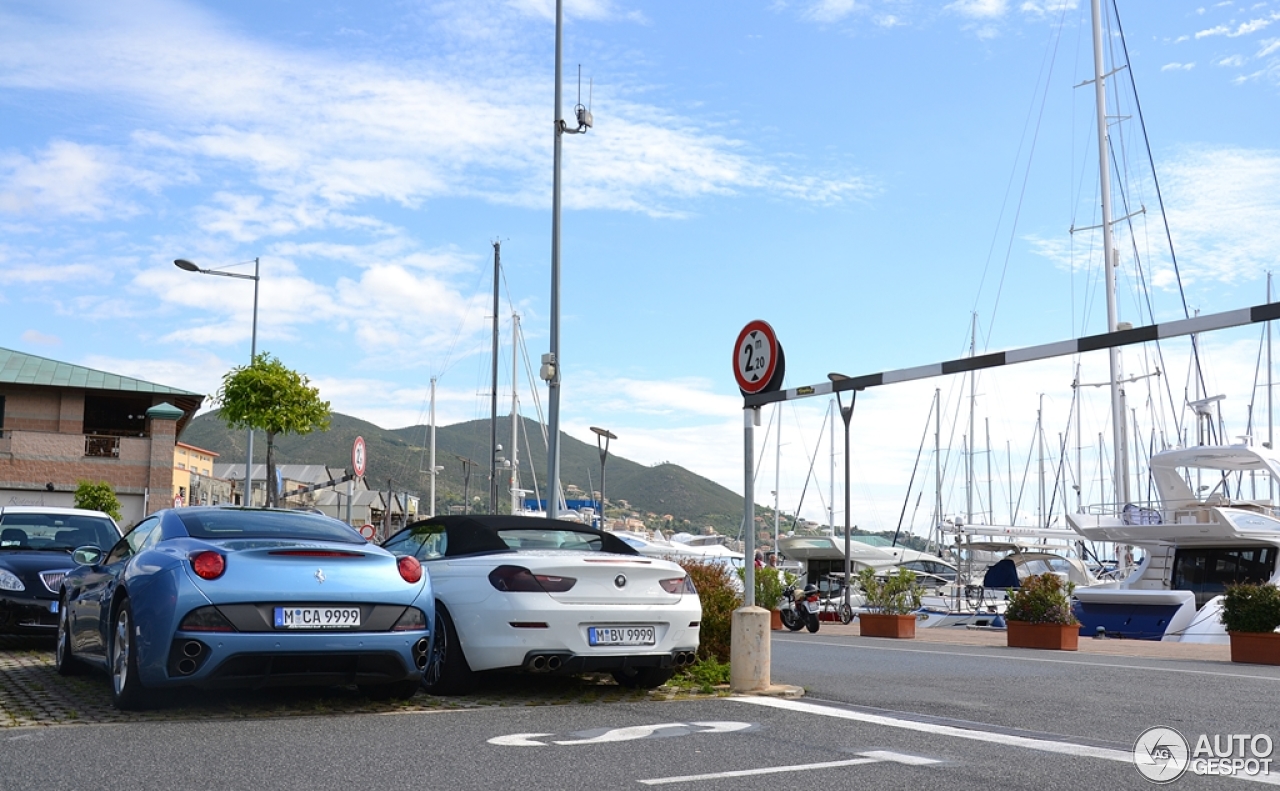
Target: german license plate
point(621, 635)
point(812, 606)
point(317, 617)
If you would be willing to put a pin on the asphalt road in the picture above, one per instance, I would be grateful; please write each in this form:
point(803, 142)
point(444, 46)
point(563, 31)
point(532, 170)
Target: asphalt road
point(876, 715)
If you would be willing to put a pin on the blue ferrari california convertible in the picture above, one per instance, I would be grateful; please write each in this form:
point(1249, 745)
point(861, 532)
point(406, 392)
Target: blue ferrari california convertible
point(245, 597)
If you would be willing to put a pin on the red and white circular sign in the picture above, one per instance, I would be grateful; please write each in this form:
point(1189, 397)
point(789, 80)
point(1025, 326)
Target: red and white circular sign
point(357, 456)
point(368, 532)
point(755, 357)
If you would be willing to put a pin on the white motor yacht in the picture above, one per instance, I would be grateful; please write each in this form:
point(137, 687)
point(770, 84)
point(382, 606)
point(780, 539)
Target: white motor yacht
point(1213, 524)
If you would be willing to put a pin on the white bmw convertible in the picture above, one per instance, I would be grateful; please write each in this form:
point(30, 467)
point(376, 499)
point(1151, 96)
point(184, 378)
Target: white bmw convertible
point(548, 596)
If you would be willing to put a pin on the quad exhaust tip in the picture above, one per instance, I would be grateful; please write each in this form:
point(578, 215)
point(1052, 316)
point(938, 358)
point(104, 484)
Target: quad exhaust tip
point(421, 650)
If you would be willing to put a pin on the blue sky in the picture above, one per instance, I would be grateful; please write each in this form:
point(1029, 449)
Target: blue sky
point(866, 176)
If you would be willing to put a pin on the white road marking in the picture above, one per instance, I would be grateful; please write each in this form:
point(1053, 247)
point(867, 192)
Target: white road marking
point(520, 740)
point(877, 756)
point(1029, 658)
point(620, 734)
point(1026, 742)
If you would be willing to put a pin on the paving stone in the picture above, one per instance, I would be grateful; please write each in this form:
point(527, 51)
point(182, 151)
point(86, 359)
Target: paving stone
point(33, 694)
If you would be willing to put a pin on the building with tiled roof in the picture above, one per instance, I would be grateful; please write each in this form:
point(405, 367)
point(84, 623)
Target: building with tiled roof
point(62, 423)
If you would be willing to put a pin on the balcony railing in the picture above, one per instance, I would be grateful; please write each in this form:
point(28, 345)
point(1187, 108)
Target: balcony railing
point(101, 446)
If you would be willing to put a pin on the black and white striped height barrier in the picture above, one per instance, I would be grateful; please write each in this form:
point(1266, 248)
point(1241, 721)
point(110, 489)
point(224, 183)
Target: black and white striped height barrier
point(1153, 332)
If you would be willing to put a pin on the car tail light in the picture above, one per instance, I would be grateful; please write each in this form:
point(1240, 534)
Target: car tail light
point(516, 579)
point(678, 585)
point(205, 619)
point(410, 568)
point(208, 564)
point(413, 620)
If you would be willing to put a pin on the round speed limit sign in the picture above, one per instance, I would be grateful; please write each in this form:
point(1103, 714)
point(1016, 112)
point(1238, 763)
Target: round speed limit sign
point(757, 359)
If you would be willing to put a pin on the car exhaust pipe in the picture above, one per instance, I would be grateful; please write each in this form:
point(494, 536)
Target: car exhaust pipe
point(186, 666)
point(553, 663)
point(421, 649)
point(538, 664)
point(192, 649)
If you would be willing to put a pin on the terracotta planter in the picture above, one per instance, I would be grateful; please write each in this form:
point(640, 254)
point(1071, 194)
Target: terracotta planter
point(1048, 636)
point(881, 625)
point(1255, 648)
point(775, 620)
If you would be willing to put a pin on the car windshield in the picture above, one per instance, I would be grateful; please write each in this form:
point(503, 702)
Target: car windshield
point(55, 532)
point(423, 541)
point(218, 523)
point(551, 539)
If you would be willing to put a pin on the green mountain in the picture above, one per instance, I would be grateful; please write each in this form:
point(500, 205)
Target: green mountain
point(398, 459)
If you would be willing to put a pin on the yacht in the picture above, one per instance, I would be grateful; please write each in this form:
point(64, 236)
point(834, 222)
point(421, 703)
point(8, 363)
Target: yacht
point(1213, 524)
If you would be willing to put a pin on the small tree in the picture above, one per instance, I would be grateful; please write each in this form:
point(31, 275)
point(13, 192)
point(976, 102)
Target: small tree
point(98, 497)
point(268, 396)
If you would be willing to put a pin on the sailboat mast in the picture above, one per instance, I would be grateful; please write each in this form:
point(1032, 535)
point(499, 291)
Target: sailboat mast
point(515, 413)
point(1118, 421)
point(777, 479)
point(937, 463)
point(493, 395)
point(1270, 418)
point(968, 458)
point(433, 469)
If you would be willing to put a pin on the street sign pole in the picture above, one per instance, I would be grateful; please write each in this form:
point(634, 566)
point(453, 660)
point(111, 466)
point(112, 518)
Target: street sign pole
point(758, 367)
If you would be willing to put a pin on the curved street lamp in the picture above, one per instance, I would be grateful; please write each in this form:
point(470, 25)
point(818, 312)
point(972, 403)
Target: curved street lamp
point(602, 436)
point(845, 413)
point(187, 266)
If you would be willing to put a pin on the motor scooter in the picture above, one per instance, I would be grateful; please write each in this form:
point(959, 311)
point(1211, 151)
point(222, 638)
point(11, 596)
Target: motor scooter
point(799, 607)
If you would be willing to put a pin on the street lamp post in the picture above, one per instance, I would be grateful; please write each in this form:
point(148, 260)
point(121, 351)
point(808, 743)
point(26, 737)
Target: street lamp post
point(186, 265)
point(845, 413)
point(602, 436)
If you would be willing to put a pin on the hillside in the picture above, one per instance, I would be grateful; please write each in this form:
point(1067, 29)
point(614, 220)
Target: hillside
point(400, 456)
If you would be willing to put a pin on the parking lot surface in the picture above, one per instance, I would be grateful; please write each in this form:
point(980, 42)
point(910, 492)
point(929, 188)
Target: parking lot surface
point(33, 694)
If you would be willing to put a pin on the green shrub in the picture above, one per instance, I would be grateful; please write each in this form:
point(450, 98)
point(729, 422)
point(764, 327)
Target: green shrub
point(707, 674)
point(770, 583)
point(1249, 607)
point(1042, 598)
point(98, 497)
point(720, 598)
point(894, 594)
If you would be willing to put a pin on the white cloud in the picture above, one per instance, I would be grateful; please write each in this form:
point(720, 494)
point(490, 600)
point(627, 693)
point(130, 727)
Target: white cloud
point(980, 9)
point(1046, 7)
point(40, 339)
point(321, 136)
point(1234, 61)
point(1243, 29)
point(1224, 211)
point(1178, 67)
point(70, 179)
point(828, 11)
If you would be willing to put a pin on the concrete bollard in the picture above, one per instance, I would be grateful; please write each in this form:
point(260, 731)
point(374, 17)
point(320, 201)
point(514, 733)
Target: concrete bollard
point(749, 650)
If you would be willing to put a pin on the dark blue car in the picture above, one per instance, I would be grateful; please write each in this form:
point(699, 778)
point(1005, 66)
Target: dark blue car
point(245, 597)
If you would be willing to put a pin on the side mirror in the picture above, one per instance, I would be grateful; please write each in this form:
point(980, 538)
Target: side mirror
point(87, 556)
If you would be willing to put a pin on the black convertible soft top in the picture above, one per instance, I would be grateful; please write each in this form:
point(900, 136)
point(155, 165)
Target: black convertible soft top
point(473, 534)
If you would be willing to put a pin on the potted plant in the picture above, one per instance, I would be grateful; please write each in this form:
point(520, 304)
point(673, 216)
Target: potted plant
point(1251, 613)
point(770, 582)
point(1039, 614)
point(891, 603)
